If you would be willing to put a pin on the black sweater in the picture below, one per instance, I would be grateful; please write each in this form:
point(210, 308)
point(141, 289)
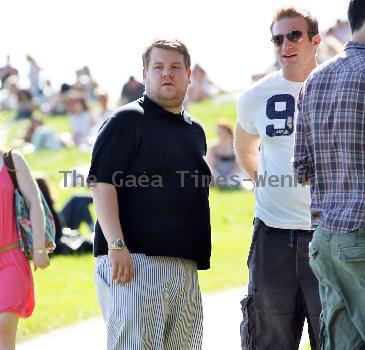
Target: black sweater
point(156, 160)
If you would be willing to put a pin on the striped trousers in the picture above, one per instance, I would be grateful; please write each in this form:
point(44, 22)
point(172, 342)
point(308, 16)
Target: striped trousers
point(160, 309)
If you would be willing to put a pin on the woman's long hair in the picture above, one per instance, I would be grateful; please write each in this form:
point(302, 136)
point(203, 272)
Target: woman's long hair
point(43, 185)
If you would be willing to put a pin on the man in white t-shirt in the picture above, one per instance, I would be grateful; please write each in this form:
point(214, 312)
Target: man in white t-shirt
point(282, 291)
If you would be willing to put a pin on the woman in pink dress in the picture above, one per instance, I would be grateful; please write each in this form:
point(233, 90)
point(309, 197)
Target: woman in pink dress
point(16, 281)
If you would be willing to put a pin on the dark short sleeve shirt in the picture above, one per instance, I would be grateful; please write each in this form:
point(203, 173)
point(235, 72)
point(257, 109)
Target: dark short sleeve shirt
point(156, 161)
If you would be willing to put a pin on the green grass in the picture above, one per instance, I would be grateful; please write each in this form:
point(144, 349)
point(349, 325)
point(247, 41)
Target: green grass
point(51, 163)
point(208, 114)
point(232, 214)
point(65, 292)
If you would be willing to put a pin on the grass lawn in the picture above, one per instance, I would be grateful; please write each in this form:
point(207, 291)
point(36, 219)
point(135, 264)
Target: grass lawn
point(232, 214)
point(65, 292)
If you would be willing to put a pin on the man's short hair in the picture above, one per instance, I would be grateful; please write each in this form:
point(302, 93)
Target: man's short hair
point(174, 44)
point(356, 14)
point(292, 12)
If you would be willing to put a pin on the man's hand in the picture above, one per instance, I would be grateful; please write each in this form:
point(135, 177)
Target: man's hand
point(246, 148)
point(107, 211)
point(122, 265)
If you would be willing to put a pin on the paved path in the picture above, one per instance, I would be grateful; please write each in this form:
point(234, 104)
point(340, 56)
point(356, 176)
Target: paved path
point(222, 317)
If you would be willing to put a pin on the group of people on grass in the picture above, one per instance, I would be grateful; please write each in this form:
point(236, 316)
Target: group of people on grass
point(304, 122)
point(84, 102)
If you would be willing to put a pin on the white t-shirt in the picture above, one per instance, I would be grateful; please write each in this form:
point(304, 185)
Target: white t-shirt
point(268, 109)
point(80, 125)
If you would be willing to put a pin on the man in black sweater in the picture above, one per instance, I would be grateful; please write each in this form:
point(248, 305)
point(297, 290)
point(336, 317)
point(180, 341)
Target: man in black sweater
point(150, 184)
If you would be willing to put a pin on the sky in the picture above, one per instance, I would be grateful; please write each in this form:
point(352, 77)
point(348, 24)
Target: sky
point(230, 38)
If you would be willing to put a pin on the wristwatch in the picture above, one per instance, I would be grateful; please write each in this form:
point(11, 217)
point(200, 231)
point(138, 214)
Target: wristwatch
point(116, 244)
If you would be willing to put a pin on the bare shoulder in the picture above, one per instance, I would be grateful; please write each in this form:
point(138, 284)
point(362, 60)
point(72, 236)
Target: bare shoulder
point(19, 161)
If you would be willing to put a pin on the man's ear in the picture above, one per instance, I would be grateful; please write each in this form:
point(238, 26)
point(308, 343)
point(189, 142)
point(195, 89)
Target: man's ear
point(316, 40)
point(189, 74)
point(144, 75)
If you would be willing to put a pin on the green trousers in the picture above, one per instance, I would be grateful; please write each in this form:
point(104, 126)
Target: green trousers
point(338, 262)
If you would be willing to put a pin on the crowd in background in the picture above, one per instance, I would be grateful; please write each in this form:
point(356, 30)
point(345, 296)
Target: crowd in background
point(86, 106)
point(84, 102)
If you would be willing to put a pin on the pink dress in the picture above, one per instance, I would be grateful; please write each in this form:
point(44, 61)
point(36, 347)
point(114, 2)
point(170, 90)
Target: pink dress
point(16, 280)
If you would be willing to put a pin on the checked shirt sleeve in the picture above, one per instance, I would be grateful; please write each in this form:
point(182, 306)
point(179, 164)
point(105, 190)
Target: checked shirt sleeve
point(302, 160)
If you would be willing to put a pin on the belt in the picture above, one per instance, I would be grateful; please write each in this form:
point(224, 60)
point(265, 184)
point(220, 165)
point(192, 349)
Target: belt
point(284, 230)
point(9, 247)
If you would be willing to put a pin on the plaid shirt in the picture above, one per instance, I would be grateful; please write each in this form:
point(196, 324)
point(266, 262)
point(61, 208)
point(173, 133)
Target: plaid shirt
point(329, 145)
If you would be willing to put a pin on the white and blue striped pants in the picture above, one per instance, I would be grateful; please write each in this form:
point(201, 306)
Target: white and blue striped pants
point(161, 309)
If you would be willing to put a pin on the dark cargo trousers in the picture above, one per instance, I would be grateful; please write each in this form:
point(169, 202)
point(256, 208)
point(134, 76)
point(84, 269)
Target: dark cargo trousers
point(282, 291)
point(338, 261)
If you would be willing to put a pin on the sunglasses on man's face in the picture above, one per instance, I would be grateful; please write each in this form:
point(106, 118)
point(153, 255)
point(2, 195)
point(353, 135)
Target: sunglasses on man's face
point(294, 36)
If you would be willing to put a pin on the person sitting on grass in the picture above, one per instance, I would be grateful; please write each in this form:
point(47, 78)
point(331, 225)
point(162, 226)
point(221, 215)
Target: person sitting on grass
point(79, 116)
point(68, 221)
point(221, 158)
